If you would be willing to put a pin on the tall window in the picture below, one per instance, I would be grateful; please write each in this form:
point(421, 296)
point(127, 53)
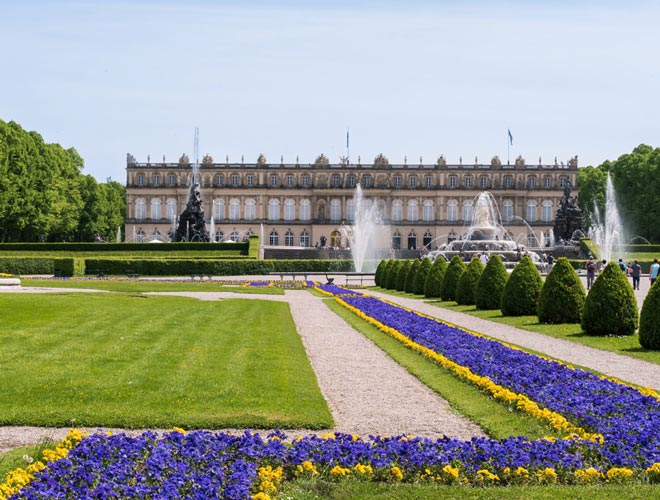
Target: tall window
point(306, 181)
point(452, 210)
point(508, 181)
point(140, 209)
point(234, 209)
point(483, 181)
point(289, 210)
point(218, 209)
point(274, 238)
point(235, 180)
point(219, 236)
point(546, 211)
point(396, 240)
point(289, 181)
point(172, 180)
point(288, 238)
point(234, 236)
point(335, 210)
point(304, 238)
point(397, 181)
point(140, 180)
point(155, 180)
point(219, 180)
point(171, 209)
point(305, 210)
point(531, 182)
point(336, 180)
point(428, 181)
point(413, 210)
point(452, 181)
point(468, 181)
point(507, 211)
point(155, 208)
point(427, 214)
point(531, 211)
point(412, 240)
point(350, 210)
point(367, 181)
point(397, 211)
point(351, 181)
point(563, 181)
point(428, 238)
point(274, 209)
point(532, 241)
point(250, 209)
point(413, 182)
point(547, 182)
point(467, 211)
point(273, 181)
point(250, 180)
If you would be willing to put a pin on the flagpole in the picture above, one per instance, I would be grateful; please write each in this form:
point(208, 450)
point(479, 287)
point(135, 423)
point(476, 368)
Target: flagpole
point(508, 144)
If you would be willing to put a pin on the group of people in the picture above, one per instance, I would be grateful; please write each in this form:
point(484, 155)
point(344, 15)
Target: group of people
point(632, 269)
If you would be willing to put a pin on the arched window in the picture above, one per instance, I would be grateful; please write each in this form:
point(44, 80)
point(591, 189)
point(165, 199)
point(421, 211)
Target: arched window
point(397, 211)
point(412, 240)
point(250, 209)
point(467, 211)
point(428, 238)
point(288, 238)
point(171, 209)
point(140, 209)
point(274, 209)
point(427, 213)
point(219, 235)
point(531, 211)
point(234, 236)
point(413, 210)
point(305, 210)
point(218, 209)
point(274, 238)
point(350, 210)
point(396, 240)
point(546, 211)
point(335, 210)
point(304, 238)
point(234, 209)
point(289, 209)
point(155, 208)
point(452, 210)
point(507, 211)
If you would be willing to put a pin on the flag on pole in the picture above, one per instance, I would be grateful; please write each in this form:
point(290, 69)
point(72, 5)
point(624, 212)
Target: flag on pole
point(510, 137)
point(347, 139)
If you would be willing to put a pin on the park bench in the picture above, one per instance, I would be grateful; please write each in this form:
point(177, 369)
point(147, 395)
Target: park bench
point(130, 273)
point(99, 273)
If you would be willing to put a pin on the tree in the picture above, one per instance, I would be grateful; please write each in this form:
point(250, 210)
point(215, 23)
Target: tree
point(420, 276)
point(401, 276)
point(562, 296)
point(410, 277)
point(379, 271)
point(453, 273)
point(491, 284)
point(649, 321)
point(611, 307)
point(467, 284)
point(521, 293)
point(393, 273)
point(433, 281)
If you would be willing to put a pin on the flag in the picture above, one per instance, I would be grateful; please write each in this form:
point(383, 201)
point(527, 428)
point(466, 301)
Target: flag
point(510, 137)
point(346, 138)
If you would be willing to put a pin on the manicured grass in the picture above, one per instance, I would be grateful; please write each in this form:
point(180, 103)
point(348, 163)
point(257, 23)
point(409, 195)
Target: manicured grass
point(141, 361)
point(16, 458)
point(497, 420)
point(344, 490)
point(136, 286)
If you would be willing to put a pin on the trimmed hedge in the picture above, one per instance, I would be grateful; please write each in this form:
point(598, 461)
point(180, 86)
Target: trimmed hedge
point(379, 271)
point(242, 248)
point(649, 320)
point(69, 267)
point(410, 276)
point(562, 296)
point(611, 307)
point(393, 274)
point(589, 247)
point(387, 271)
point(453, 274)
point(467, 285)
point(26, 265)
point(400, 285)
point(420, 276)
point(491, 284)
point(521, 293)
point(433, 281)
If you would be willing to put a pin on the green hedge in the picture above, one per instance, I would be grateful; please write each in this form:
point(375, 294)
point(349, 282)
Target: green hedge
point(242, 248)
point(26, 265)
point(588, 246)
point(253, 246)
point(73, 266)
point(562, 295)
point(642, 248)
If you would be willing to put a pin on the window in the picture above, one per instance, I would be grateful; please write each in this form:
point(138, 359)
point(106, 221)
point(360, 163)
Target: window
point(413, 210)
point(531, 182)
point(351, 181)
point(250, 180)
point(546, 211)
point(452, 210)
point(335, 210)
point(304, 238)
point(397, 211)
point(235, 180)
point(397, 181)
point(306, 181)
point(289, 181)
point(273, 181)
point(140, 209)
point(155, 208)
point(428, 239)
point(234, 236)
point(413, 182)
point(468, 181)
point(350, 210)
point(274, 238)
point(396, 241)
point(219, 180)
point(412, 241)
point(532, 241)
point(171, 209)
point(289, 210)
point(547, 182)
point(467, 211)
point(452, 181)
point(305, 210)
point(218, 210)
point(366, 181)
point(234, 209)
point(155, 180)
point(507, 211)
point(140, 180)
point(336, 180)
point(483, 181)
point(531, 211)
point(274, 209)
point(427, 212)
point(172, 180)
point(219, 236)
point(428, 181)
point(288, 238)
point(563, 181)
point(508, 181)
point(250, 209)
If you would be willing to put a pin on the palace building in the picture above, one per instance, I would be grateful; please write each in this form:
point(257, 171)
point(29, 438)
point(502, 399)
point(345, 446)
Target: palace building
point(305, 204)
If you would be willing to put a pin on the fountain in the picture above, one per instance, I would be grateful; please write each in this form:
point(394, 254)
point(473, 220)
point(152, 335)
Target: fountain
point(361, 235)
point(607, 233)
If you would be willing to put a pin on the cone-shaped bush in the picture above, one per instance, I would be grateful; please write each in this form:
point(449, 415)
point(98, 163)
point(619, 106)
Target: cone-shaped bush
point(562, 296)
point(433, 282)
point(401, 276)
point(420, 276)
point(393, 273)
point(610, 308)
point(379, 271)
point(521, 293)
point(453, 273)
point(649, 320)
point(491, 284)
point(410, 277)
point(467, 286)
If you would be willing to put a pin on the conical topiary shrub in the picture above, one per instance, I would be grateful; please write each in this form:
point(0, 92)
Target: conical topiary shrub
point(611, 307)
point(393, 273)
point(521, 293)
point(410, 277)
point(401, 276)
point(562, 295)
point(649, 320)
point(467, 285)
point(379, 271)
point(453, 273)
point(420, 276)
point(491, 284)
point(433, 282)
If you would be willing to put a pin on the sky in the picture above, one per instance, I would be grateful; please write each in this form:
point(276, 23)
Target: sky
point(288, 79)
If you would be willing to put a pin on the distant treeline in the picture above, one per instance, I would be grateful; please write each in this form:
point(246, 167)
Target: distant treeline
point(44, 196)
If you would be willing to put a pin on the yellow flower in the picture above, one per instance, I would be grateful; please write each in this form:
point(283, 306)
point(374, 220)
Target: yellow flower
point(363, 470)
point(618, 474)
point(589, 475)
point(339, 471)
point(485, 476)
point(397, 473)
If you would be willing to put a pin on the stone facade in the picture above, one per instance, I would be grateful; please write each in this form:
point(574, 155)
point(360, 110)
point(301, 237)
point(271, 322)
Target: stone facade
point(305, 204)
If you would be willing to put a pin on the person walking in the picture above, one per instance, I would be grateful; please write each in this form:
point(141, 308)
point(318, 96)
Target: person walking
point(653, 272)
point(590, 266)
point(636, 273)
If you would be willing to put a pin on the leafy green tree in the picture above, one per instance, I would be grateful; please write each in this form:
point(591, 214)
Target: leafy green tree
point(453, 274)
point(410, 277)
point(379, 271)
point(491, 284)
point(433, 281)
point(467, 284)
point(521, 293)
point(649, 321)
point(420, 276)
point(562, 296)
point(611, 307)
point(402, 275)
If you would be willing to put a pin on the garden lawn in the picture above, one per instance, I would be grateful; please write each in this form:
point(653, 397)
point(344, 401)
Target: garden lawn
point(149, 361)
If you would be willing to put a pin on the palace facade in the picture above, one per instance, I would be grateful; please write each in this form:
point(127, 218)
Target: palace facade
point(304, 205)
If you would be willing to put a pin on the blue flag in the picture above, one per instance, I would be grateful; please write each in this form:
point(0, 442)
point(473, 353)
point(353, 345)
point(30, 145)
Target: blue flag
point(510, 137)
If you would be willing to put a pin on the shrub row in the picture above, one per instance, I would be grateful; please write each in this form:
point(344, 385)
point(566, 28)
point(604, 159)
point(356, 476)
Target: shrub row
point(242, 248)
point(26, 265)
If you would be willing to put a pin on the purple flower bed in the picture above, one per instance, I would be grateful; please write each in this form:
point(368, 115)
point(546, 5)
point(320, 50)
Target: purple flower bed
point(628, 420)
point(338, 290)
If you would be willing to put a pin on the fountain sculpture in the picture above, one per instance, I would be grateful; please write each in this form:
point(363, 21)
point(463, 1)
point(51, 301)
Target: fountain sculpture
point(608, 234)
point(568, 220)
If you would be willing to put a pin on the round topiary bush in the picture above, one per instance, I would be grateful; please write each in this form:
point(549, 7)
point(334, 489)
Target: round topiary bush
point(393, 273)
point(649, 320)
point(611, 307)
point(433, 281)
point(453, 273)
point(420, 276)
point(410, 277)
point(379, 271)
point(467, 284)
point(401, 275)
point(491, 284)
point(562, 295)
point(521, 293)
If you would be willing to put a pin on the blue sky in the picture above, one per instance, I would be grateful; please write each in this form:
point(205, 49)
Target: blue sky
point(287, 78)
